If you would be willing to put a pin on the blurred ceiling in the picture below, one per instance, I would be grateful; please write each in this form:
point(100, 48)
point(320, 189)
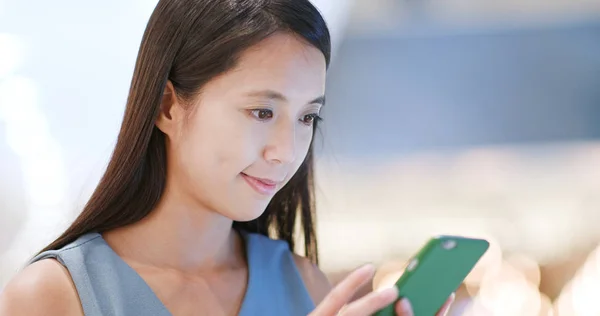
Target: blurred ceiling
point(377, 15)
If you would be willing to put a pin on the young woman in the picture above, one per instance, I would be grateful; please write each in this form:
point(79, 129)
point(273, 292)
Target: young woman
point(214, 155)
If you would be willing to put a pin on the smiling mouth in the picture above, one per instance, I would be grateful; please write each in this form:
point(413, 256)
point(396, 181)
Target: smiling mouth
point(262, 186)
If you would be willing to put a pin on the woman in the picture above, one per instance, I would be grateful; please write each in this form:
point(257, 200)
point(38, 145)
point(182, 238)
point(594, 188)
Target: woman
point(214, 154)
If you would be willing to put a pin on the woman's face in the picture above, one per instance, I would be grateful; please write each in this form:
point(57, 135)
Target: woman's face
point(249, 130)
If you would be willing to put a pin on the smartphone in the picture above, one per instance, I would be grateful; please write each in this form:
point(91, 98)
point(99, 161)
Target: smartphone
point(436, 271)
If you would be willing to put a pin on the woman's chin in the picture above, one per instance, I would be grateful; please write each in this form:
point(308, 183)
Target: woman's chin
point(246, 214)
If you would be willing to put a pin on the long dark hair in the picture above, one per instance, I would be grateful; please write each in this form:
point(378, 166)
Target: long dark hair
point(189, 42)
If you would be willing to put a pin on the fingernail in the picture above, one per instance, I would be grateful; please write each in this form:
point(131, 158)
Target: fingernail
point(405, 306)
point(389, 294)
point(367, 268)
point(452, 297)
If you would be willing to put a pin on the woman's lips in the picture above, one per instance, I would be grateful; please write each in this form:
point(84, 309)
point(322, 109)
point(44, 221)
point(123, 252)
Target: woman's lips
point(260, 185)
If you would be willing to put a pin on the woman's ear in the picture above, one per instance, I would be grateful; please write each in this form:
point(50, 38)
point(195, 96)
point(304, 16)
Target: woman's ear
point(171, 112)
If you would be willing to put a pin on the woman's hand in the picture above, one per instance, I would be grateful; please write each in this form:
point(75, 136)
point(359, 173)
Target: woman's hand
point(336, 302)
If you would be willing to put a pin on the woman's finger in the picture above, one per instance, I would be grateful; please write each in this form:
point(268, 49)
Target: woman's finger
point(343, 292)
point(372, 302)
point(403, 308)
point(446, 307)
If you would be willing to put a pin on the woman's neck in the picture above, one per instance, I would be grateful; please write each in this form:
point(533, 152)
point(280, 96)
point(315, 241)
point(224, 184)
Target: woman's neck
point(179, 235)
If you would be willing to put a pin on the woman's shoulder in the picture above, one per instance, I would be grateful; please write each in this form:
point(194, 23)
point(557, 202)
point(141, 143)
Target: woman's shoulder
point(42, 288)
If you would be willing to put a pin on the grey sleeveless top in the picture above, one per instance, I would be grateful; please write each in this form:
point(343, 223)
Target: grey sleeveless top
point(108, 286)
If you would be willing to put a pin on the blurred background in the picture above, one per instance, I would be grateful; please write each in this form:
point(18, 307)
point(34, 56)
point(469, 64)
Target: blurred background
point(471, 117)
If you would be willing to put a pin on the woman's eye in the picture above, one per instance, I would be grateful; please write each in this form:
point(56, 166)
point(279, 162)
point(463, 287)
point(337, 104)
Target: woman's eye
point(310, 119)
point(262, 114)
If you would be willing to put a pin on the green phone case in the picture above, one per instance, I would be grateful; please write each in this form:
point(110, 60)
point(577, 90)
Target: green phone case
point(437, 272)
